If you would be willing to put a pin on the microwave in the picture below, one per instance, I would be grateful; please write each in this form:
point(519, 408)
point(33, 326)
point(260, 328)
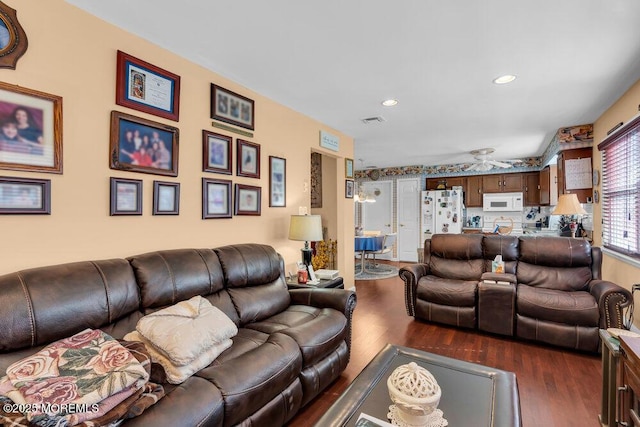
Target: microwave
point(502, 202)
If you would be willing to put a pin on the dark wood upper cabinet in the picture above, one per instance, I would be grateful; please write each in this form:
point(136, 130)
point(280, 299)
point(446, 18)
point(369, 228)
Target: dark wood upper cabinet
point(545, 186)
point(502, 183)
point(473, 192)
point(531, 188)
point(563, 156)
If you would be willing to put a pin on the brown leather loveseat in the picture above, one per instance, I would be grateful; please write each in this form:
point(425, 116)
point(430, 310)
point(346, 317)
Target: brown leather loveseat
point(551, 291)
point(290, 344)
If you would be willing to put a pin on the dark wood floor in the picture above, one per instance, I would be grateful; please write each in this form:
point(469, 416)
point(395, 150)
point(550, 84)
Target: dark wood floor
point(557, 387)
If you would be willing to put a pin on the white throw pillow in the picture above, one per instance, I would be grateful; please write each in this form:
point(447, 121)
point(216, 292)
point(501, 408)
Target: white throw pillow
point(185, 330)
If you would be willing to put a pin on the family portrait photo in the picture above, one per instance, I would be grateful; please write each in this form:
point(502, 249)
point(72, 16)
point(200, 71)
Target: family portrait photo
point(143, 146)
point(29, 131)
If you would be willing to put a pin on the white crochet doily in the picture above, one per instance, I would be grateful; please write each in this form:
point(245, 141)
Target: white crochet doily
point(435, 419)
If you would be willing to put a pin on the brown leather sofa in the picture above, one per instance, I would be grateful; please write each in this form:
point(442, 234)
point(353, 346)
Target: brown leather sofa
point(554, 292)
point(291, 343)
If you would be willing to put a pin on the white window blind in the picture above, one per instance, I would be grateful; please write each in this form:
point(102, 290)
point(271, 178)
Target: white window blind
point(621, 190)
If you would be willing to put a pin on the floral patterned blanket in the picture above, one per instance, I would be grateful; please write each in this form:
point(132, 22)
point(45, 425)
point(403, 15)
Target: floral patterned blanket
point(77, 379)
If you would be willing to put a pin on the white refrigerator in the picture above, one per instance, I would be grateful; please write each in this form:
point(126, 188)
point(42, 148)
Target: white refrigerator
point(441, 212)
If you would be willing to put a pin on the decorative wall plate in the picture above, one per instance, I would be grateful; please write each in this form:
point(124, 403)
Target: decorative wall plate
point(13, 39)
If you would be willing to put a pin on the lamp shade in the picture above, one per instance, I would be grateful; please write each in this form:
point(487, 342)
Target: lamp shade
point(307, 228)
point(568, 204)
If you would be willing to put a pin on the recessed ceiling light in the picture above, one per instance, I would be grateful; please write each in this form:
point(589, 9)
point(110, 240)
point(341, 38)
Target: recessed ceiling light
point(507, 78)
point(390, 102)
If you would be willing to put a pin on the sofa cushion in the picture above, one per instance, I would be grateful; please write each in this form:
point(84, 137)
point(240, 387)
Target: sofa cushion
point(451, 292)
point(555, 252)
point(46, 304)
point(168, 277)
point(252, 379)
point(457, 246)
point(559, 278)
point(456, 256)
point(318, 331)
point(195, 402)
point(571, 308)
point(254, 280)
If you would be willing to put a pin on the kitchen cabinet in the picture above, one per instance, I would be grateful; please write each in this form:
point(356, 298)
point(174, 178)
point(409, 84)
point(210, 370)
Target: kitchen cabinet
point(531, 188)
point(549, 186)
point(473, 192)
point(502, 183)
point(448, 182)
point(563, 156)
point(545, 186)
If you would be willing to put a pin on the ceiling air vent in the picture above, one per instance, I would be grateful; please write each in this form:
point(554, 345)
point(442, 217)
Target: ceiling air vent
point(372, 120)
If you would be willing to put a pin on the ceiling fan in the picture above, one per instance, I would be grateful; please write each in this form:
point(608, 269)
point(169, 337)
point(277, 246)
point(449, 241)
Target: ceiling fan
point(485, 163)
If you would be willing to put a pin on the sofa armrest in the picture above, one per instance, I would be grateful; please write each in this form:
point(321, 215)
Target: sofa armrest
point(410, 274)
point(339, 299)
point(611, 300)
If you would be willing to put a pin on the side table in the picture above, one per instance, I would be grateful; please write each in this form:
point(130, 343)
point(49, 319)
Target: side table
point(330, 283)
point(610, 359)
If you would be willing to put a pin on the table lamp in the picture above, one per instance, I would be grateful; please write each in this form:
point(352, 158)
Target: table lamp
point(568, 204)
point(306, 228)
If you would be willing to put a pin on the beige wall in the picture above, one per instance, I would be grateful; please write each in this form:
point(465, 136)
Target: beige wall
point(622, 110)
point(73, 54)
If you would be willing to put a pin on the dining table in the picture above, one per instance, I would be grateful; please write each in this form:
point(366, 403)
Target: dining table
point(364, 244)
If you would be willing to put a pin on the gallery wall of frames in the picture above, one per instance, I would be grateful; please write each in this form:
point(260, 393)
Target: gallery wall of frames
point(31, 140)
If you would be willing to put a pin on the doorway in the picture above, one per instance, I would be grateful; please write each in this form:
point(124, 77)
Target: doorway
point(378, 216)
point(408, 219)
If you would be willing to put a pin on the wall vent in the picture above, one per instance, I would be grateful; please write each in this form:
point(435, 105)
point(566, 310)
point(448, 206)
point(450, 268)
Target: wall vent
point(370, 120)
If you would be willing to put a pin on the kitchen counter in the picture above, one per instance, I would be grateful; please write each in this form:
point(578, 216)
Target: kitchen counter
point(471, 230)
point(541, 231)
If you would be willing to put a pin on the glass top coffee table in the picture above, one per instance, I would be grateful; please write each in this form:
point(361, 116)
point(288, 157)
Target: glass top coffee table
point(472, 394)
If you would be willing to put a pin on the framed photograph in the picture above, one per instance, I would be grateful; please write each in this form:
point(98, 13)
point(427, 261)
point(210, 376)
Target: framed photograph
point(25, 196)
point(348, 168)
point(140, 145)
point(216, 153)
point(166, 198)
point(247, 159)
point(13, 40)
point(232, 108)
point(145, 87)
point(216, 198)
point(277, 182)
point(31, 130)
point(126, 196)
point(247, 199)
point(349, 187)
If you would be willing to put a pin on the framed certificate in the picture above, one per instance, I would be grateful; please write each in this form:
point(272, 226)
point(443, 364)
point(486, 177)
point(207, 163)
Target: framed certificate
point(145, 87)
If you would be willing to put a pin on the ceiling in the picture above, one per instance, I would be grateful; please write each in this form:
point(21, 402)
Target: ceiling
point(337, 60)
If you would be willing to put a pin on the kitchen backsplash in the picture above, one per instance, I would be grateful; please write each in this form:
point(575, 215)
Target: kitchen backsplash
point(474, 217)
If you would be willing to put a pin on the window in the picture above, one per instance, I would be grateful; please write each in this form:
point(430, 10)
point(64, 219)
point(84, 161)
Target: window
point(621, 190)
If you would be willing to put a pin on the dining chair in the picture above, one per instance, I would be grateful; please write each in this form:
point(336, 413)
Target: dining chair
point(387, 246)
